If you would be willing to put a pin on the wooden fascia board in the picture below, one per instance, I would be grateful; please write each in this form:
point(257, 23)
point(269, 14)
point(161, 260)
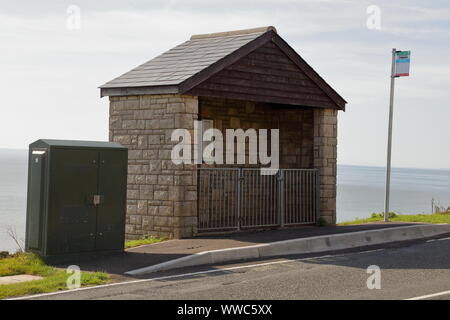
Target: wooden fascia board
point(133, 91)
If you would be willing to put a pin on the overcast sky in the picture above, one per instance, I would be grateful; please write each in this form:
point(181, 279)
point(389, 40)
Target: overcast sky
point(49, 73)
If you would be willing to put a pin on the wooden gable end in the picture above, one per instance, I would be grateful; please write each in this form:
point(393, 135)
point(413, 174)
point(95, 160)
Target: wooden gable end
point(266, 74)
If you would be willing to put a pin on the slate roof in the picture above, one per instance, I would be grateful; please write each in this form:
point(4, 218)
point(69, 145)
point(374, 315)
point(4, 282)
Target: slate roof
point(185, 60)
point(187, 65)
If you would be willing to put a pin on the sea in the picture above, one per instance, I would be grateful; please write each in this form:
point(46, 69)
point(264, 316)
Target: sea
point(360, 192)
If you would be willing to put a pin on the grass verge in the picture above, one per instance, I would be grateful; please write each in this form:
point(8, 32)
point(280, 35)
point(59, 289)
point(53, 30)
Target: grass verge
point(54, 279)
point(424, 218)
point(140, 242)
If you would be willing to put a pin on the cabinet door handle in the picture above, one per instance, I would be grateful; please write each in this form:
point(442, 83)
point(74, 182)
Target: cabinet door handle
point(98, 199)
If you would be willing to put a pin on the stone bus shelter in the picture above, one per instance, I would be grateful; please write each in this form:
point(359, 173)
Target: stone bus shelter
point(240, 79)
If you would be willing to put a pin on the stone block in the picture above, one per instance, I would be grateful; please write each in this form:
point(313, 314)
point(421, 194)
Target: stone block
point(161, 195)
point(142, 206)
point(146, 192)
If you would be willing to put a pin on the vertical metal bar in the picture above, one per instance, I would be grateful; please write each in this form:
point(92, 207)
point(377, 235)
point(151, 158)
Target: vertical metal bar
point(313, 191)
point(256, 187)
point(303, 198)
point(209, 199)
point(268, 191)
point(299, 197)
point(253, 198)
point(295, 197)
point(232, 198)
point(221, 198)
point(207, 188)
point(262, 201)
point(217, 204)
point(262, 213)
point(206, 213)
point(216, 211)
point(259, 210)
point(238, 198)
point(225, 198)
point(313, 198)
point(308, 192)
point(272, 198)
point(204, 205)
point(301, 186)
point(308, 195)
point(221, 202)
point(317, 195)
point(278, 198)
point(213, 200)
point(266, 213)
point(287, 185)
point(268, 201)
point(200, 200)
point(266, 216)
point(228, 200)
point(282, 202)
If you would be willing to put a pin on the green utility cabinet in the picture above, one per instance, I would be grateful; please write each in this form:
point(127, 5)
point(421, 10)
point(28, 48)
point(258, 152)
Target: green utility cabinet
point(76, 197)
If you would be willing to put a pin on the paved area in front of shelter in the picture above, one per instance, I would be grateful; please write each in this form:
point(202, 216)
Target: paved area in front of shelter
point(147, 255)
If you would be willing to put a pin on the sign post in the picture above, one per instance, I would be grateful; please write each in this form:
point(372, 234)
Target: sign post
point(399, 68)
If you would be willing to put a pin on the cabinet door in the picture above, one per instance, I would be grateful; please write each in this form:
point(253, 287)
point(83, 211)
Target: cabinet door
point(111, 211)
point(72, 218)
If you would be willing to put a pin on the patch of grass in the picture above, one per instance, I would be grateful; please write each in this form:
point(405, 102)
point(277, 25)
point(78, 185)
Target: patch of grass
point(140, 242)
point(423, 218)
point(54, 278)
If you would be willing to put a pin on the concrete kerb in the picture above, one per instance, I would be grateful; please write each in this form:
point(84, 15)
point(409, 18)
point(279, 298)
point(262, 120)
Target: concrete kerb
point(300, 246)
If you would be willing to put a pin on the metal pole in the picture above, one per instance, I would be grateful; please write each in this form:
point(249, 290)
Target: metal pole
point(389, 145)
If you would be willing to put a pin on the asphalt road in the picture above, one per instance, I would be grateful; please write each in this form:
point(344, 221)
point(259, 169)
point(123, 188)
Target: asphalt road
point(409, 271)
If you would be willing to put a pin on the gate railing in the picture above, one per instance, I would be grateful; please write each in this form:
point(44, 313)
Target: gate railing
point(242, 198)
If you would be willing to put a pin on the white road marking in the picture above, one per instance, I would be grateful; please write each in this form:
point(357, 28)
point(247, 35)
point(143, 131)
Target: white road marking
point(185, 275)
point(443, 293)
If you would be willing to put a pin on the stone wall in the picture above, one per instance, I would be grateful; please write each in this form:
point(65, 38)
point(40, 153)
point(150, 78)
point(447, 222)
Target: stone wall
point(162, 196)
point(325, 153)
point(295, 124)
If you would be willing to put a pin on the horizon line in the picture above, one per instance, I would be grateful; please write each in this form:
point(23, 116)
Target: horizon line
point(339, 164)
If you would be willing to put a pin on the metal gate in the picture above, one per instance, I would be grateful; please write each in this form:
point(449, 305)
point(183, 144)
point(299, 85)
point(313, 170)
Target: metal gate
point(241, 198)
